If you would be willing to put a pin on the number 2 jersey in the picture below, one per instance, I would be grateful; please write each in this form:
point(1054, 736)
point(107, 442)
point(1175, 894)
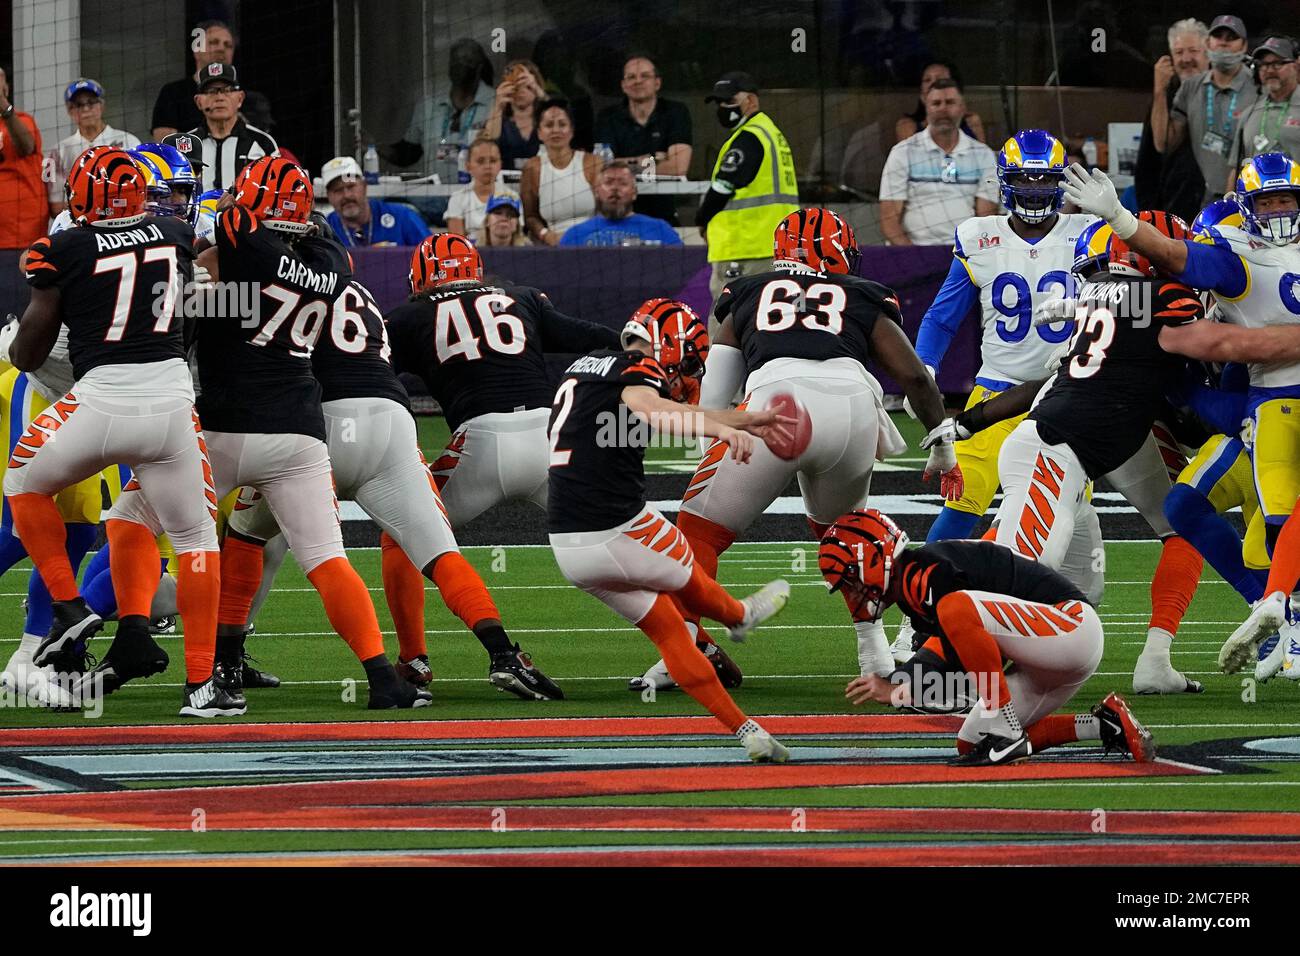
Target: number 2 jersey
point(255, 367)
point(118, 289)
point(350, 359)
point(480, 349)
point(1112, 384)
point(597, 478)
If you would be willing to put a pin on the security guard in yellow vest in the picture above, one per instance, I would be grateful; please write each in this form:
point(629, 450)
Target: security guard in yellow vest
point(754, 185)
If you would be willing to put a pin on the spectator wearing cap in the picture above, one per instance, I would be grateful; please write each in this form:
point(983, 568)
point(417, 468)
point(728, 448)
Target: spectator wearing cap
point(1272, 124)
point(361, 221)
point(937, 178)
point(175, 110)
point(648, 132)
point(503, 224)
point(1172, 182)
point(223, 144)
point(1207, 110)
point(753, 186)
point(24, 205)
point(84, 100)
point(468, 206)
point(615, 224)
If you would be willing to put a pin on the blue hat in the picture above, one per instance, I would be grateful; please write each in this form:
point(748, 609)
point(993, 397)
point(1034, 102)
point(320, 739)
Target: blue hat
point(82, 85)
point(507, 202)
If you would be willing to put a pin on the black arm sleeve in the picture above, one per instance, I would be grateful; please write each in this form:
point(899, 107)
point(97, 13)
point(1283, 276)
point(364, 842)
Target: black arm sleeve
point(712, 204)
point(739, 166)
point(1014, 401)
point(564, 333)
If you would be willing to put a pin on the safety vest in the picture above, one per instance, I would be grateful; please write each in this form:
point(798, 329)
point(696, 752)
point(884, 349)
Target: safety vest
point(744, 227)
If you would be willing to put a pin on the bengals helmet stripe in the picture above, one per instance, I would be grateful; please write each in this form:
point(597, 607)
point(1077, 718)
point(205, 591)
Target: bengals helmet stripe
point(819, 239)
point(862, 548)
point(679, 339)
point(105, 184)
point(444, 258)
point(277, 193)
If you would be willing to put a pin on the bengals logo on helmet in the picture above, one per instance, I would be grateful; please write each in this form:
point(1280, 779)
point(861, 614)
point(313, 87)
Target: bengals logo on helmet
point(105, 184)
point(277, 193)
point(679, 339)
point(444, 258)
point(819, 239)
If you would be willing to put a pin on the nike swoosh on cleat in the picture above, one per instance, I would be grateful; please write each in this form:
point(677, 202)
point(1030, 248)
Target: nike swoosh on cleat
point(996, 755)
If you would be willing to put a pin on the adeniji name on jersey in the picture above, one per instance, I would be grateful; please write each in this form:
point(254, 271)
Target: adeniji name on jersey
point(351, 357)
point(1012, 274)
point(255, 372)
point(480, 349)
point(1112, 385)
point(597, 476)
point(118, 289)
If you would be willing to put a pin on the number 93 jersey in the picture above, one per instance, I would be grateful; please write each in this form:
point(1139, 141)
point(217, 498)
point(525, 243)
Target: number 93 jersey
point(1013, 275)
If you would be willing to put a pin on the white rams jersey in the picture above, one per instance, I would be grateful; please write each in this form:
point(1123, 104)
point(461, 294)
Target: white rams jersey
point(1014, 276)
point(1271, 295)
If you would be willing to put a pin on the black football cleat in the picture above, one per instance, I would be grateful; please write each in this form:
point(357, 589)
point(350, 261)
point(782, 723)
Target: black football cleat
point(65, 646)
point(215, 697)
point(252, 678)
point(515, 673)
point(401, 696)
point(995, 751)
point(728, 672)
point(1121, 731)
point(133, 655)
point(415, 671)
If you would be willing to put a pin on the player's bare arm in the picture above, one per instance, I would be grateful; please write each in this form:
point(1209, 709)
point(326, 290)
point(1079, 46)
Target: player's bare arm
point(1220, 342)
point(669, 417)
point(37, 332)
point(891, 348)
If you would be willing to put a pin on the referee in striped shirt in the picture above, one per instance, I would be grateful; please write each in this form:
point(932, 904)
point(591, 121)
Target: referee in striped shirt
point(224, 144)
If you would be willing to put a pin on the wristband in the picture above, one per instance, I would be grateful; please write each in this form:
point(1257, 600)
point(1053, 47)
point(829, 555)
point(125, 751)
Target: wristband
point(1124, 224)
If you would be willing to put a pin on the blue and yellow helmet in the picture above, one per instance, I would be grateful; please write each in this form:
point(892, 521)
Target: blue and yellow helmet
point(205, 213)
point(1090, 251)
point(1221, 212)
point(1031, 173)
point(1269, 174)
point(169, 179)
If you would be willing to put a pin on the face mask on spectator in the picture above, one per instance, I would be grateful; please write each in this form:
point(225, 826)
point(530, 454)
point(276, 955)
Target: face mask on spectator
point(1225, 60)
point(729, 116)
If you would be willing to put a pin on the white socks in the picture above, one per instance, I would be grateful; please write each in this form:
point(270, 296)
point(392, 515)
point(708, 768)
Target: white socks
point(1158, 643)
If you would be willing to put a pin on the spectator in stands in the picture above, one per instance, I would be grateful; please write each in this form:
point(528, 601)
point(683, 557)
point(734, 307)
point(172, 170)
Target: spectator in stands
point(648, 132)
point(503, 224)
point(1272, 124)
point(1172, 182)
point(513, 120)
point(175, 109)
point(909, 124)
point(24, 206)
point(468, 206)
point(450, 119)
point(754, 185)
point(615, 224)
point(84, 100)
point(223, 144)
point(360, 221)
point(1207, 109)
point(938, 177)
point(557, 183)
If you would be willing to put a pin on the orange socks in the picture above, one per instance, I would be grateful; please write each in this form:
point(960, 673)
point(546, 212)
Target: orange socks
point(198, 595)
point(707, 540)
point(705, 597)
point(1052, 731)
point(348, 606)
point(134, 561)
point(404, 592)
point(463, 591)
point(1284, 573)
point(40, 528)
point(241, 564)
point(691, 669)
point(1174, 583)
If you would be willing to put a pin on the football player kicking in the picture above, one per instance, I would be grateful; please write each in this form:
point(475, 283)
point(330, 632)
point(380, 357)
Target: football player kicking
point(609, 543)
point(983, 606)
point(809, 328)
point(114, 280)
point(1251, 271)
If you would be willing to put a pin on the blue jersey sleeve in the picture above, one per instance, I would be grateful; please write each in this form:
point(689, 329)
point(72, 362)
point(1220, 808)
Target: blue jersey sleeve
point(946, 314)
point(1214, 266)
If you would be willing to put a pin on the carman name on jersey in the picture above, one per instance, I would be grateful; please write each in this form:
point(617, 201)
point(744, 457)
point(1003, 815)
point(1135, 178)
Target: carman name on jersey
point(596, 366)
point(126, 237)
point(308, 278)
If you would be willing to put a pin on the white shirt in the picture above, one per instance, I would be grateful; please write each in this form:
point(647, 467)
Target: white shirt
point(467, 206)
point(70, 147)
point(939, 188)
point(564, 196)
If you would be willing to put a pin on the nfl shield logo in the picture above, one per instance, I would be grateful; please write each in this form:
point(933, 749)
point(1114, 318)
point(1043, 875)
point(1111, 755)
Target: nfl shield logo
point(1033, 253)
point(214, 69)
point(183, 144)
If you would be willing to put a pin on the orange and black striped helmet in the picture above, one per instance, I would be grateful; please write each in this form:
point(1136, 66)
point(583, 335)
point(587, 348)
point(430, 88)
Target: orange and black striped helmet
point(277, 192)
point(443, 258)
point(1123, 258)
point(679, 339)
point(860, 550)
point(105, 183)
point(819, 239)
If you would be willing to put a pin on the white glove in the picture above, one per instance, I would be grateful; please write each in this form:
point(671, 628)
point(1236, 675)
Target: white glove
point(201, 275)
point(1094, 193)
point(943, 459)
point(907, 402)
point(1055, 310)
point(1054, 360)
point(945, 433)
point(7, 333)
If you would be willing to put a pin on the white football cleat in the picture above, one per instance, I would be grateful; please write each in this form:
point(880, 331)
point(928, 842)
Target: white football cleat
point(1267, 616)
point(38, 683)
point(657, 677)
point(1153, 674)
point(1269, 660)
point(759, 607)
point(901, 649)
point(761, 746)
point(1289, 641)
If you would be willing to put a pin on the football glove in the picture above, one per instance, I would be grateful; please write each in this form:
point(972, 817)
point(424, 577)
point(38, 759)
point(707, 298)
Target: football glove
point(7, 333)
point(943, 458)
point(201, 275)
point(907, 402)
point(946, 432)
point(1055, 310)
point(1094, 193)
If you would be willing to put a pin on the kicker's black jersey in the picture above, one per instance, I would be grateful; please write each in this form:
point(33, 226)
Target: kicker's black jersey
point(480, 348)
point(598, 445)
point(1112, 384)
point(798, 313)
point(351, 356)
point(255, 366)
point(119, 289)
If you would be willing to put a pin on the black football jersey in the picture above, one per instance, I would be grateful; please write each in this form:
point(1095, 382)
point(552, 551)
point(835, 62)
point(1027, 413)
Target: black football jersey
point(255, 365)
point(798, 313)
point(119, 289)
point(480, 348)
point(351, 356)
point(1112, 384)
point(597, 445)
